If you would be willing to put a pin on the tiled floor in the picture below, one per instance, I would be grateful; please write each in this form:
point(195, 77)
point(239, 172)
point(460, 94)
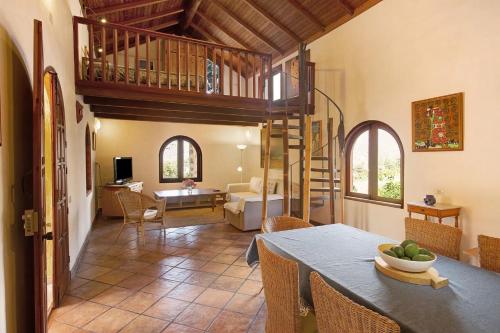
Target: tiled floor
point(189, 280)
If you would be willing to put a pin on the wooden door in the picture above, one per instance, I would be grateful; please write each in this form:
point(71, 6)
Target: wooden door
point(61, 240)
point(38, 184)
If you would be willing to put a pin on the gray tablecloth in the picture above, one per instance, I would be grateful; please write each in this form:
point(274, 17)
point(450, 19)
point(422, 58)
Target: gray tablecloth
point(344, 256)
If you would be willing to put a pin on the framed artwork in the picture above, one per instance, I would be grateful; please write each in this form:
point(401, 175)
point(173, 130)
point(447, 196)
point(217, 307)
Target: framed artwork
point(437, 124)
point(276, 151)
point(317, 142)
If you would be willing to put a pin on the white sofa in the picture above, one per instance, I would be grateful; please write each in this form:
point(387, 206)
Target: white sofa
point(243, 208)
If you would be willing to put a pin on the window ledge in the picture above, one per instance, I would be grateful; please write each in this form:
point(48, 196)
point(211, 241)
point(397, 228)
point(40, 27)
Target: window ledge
point(376, 202)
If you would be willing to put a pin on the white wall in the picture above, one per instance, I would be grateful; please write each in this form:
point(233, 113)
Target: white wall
point(401, 51)
point(16, 45)
point(142, 141)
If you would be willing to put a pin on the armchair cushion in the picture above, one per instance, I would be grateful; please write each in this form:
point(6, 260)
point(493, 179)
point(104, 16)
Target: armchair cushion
point(238, 187)
point(255, 184)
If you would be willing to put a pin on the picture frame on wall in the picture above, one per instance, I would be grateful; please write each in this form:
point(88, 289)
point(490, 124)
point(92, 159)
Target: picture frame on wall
point(437, 124)
point(317, 138)
point(276, 150)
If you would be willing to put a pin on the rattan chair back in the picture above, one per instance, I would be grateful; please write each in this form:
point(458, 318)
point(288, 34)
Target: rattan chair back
point(281, 223)
point(439, 238)
point(489, 252)
point(280, 278)
point(336, 313)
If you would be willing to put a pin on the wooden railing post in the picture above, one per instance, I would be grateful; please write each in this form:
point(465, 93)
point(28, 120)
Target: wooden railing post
point(126, 47)
point(307, 169)
point(137, 64)
point(115, 55)
point(254, 92)
point(158, 78)
point(168, 63)
point(267, 149)
point(239, 74)
point(91, 52)
point(205, 69)
point(188, 78)
point(179, 65)
point(196, 71)
point(103, 54)
point(221, 75)
point(76, 52)
point(214, 71)
point(148, 70)
point(231, 73)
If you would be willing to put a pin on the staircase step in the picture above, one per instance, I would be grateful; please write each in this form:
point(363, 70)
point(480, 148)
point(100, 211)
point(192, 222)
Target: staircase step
point(319, 170)
point(281, 126)
point(319, 198)
point(324, 189)
point(290, 136)
point(296, 147)
point(324, 180)
point(293, 117)
point(319, 158)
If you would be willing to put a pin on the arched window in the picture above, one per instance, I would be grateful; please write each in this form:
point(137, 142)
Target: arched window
point(374, 164)
point(88, 161)
point(180, 158)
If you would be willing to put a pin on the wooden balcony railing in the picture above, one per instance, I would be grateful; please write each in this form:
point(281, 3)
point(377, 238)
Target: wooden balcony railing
point(123, 55)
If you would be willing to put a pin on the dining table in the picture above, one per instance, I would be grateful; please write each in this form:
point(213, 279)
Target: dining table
point(345, 258)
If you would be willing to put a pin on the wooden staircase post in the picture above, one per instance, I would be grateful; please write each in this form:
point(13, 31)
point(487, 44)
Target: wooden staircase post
point(286, 192)
point(331, 168)
point(266, 169)
point(306, 208)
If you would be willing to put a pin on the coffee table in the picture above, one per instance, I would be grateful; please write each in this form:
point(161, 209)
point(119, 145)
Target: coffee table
point(198, 197)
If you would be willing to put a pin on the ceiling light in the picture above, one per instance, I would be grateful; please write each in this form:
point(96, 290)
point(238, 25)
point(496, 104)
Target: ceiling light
point(99, 50)
point(103, 20)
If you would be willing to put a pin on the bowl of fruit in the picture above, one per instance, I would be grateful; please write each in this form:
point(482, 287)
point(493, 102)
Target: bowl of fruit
point(407, 256)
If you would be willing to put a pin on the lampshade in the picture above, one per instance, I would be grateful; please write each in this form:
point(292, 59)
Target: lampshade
point(241, 147)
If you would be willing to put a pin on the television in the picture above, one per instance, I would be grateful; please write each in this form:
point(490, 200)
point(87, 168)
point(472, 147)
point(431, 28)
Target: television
point(123, 169)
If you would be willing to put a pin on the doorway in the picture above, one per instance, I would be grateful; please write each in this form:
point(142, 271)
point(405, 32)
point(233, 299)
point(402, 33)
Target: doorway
point(55, 195)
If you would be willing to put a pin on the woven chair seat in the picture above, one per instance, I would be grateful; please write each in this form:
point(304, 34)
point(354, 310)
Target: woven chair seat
point(149, 214)
point(282, 223)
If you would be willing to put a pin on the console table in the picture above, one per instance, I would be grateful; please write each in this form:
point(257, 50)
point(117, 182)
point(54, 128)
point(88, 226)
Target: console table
point(198, 197)
point(109, 202)
point(438, 210)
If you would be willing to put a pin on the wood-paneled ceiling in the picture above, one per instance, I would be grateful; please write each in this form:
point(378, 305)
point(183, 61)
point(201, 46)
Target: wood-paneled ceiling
point(275, 26)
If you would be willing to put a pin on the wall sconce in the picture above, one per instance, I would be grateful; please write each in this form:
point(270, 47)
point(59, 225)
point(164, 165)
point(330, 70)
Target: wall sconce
point(97, 125)
point(103, 20)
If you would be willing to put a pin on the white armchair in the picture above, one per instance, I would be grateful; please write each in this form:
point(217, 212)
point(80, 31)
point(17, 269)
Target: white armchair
point(243, 208)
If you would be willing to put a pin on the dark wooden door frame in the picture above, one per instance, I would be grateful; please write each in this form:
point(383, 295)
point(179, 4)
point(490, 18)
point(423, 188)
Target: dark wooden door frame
point(38, 183)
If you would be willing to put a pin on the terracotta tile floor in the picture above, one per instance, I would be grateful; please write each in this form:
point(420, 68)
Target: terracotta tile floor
point(189, 280)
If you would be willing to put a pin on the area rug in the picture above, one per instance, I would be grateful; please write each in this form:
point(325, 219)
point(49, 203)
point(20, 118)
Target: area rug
point(193, 216)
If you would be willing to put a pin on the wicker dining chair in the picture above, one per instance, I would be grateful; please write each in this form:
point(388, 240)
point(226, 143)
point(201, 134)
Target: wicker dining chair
point(336, 313)
point(139, 208)
point(489, 252)
point(281, 223)
point(439, 238)
point(280, 278)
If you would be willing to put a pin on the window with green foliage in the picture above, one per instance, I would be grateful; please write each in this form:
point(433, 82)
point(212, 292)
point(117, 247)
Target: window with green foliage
point(374, 164)
point(180, 159)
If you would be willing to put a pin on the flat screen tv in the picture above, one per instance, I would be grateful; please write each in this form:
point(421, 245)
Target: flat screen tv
point(123, 169)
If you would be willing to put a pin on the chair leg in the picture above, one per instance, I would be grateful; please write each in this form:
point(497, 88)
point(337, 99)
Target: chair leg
point(142, 234)
point(119, 233)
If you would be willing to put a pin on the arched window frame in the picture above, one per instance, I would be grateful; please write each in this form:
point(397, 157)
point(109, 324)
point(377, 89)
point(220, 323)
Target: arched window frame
point(88, 161)
point(180, 157)
point(372, 197)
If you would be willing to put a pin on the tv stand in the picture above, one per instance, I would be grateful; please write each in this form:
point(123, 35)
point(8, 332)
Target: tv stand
point(109, 202)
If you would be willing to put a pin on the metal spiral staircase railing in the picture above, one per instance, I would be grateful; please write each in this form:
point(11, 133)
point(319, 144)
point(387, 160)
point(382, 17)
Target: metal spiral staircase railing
point(321, 166)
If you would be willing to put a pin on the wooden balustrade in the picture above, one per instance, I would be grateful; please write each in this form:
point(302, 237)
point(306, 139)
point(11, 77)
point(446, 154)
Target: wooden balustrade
point(123, 55)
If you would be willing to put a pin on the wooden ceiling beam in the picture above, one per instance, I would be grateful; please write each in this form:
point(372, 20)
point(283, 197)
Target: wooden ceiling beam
point(121, 7)
point(164, 25)
point(174, 120)
point(307, 13)
point(218, 26)
point(191, 10)
point(173, 112)
point(248, 27)
point(347, 6)
point(206, 34)
point(151, 17)
point(145, 104)
point(273, 20)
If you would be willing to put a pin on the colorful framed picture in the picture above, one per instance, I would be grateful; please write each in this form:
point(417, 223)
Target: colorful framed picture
point(276, 151)
point(437, 124)
point(317, 138)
